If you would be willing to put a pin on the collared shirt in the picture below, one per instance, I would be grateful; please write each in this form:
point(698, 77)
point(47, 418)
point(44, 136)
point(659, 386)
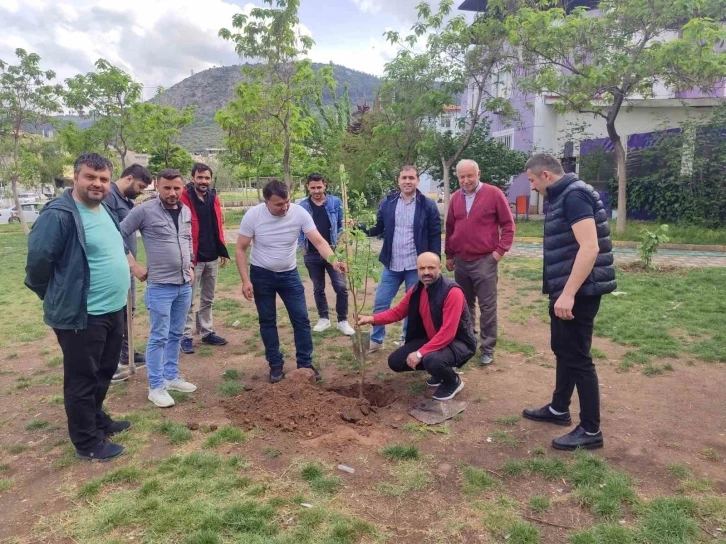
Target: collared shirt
point(469, 198)
point(403, 250)
point(168, 250)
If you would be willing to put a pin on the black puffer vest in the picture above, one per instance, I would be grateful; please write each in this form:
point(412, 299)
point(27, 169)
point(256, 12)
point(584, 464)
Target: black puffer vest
point(560, 245)
point(464, 343)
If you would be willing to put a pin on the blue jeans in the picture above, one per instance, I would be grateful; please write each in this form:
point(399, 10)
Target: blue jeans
point(385, 293)
point(168, 305)
point(266, 285)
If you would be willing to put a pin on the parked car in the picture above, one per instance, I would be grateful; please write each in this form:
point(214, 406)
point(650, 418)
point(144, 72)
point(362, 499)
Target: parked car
point(31, 211)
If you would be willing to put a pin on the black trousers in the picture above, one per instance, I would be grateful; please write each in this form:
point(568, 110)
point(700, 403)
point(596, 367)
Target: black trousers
point(440, 364)
point(571, 341)
point(90, 358)
point(317, 267)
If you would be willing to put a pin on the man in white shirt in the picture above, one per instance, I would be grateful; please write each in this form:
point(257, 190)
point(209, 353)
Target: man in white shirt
point(273, 228)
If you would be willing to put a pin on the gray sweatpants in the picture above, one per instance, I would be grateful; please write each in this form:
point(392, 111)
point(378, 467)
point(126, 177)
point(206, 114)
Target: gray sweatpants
point(478, 279)
point(205, 283)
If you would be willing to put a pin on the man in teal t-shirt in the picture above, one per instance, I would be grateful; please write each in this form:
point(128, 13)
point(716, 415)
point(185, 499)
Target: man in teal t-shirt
point(78, 267)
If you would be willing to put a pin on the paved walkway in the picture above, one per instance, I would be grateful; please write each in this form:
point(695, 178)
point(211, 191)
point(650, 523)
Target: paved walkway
point(664, 257)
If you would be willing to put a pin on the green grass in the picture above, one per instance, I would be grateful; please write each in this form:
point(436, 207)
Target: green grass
point(176, 432)
point(539, 504)
point(400, 452)
point(504, 438)
point(665, 315)
point(598, 353)
point(635, 357)
point(548, 468)
point(422, 429)
point(271, 452)
point(196, 498)
point(501, 519)
point(652, 370)
point(5, 484)
point(475, 480)
point(205, 351)
point(232, 374)
point(230, 388)
point(11, 356)
point(511, 419)
point(226, 435)
point(314, 474)
point(15, 449)
point(180, 396)
point(416, 388)
point(55, 362)
point(678, 234)
point(513, 346)
point(37, 425)
point(407, 476)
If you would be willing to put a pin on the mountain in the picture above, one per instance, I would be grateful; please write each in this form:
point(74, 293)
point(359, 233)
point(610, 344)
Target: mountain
point(212, 89)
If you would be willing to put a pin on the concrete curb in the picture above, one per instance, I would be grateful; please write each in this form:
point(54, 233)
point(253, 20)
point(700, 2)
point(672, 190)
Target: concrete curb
point(634, 245)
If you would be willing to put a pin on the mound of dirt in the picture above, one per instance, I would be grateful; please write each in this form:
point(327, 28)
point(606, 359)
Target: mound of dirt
point(307, 410)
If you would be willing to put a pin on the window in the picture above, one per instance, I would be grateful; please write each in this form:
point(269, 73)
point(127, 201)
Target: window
point(501, 84)
point(445, 120)
point(506, 139)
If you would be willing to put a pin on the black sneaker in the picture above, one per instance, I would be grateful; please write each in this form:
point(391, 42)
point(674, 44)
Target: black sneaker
point(578, 438)
point(448, 391)
point(187, 346)
point(318, 377)
point(139, 360)
point(103, 451)
point(433, 382)
point(276, 374)
point(116, 427)
point(214, 340)
point(545, 415)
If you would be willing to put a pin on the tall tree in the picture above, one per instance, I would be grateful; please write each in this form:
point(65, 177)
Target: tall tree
point(277, 87)
point(598, 63)
point(107, 96)
point(156, 130)
point(26, 98)
point(459, 58)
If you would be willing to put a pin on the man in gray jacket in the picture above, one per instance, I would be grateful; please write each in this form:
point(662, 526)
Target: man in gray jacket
point(165, 225)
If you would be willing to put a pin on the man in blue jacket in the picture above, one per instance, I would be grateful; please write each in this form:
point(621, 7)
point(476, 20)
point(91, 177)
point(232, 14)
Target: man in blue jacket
point(411, 225)
point(78, 267)
point(327, 213)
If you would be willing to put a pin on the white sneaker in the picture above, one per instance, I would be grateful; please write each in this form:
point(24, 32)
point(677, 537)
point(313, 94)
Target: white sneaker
point(180, 384)
point(161, 397)
point(345, 328)
point(374, 346)
point(321, 325)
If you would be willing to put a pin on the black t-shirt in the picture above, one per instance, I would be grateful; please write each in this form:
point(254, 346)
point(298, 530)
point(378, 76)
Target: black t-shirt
point(578, 206)
point(322, 223)
point(206, 246)
point(174, 212)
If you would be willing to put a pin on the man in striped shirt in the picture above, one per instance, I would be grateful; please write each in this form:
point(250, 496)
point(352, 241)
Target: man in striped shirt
point(410, 225)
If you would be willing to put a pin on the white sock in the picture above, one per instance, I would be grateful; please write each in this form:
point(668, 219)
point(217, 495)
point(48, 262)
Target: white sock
point(592, 434)
point(556, 412)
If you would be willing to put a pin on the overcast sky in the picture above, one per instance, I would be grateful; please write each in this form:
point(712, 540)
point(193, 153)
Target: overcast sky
point(160, 42)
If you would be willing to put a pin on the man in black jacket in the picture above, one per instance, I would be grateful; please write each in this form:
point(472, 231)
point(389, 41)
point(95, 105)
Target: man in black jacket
point(120, 201)
point(411, 225)
point(77, 265)
point(578, 270)
point(440, 335)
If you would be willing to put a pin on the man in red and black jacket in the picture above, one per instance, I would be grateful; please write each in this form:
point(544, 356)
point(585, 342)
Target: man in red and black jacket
point(440, 336)
point(210, 252)
point(479, 231)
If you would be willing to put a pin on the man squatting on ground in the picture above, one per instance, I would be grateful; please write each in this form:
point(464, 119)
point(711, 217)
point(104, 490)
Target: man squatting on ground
point(440, 336)
point(327, 213)
point(578, 270)
point(76, 265)
point(210, 254)
point(166, 230)
point(272, 227)
point(133, 181)
point(479, 231)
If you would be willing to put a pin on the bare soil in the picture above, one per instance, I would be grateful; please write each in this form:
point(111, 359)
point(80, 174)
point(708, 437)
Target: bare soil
point(648, 423)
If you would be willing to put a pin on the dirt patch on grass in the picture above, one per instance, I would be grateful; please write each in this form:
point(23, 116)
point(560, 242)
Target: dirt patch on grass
point(308, 410)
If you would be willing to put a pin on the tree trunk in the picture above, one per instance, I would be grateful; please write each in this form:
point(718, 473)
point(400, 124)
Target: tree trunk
point(18, 207)
point(622, 220)
point(447, 187)
point(286, 160)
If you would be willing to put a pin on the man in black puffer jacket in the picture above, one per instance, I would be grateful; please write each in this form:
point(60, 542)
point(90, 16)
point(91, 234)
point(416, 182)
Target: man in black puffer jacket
point(578, 270)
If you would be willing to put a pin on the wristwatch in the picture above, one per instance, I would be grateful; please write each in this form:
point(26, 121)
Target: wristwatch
point(418, 354)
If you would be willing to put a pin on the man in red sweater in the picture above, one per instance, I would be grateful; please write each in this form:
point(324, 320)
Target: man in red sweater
point(479, 231)
point(439, 336)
